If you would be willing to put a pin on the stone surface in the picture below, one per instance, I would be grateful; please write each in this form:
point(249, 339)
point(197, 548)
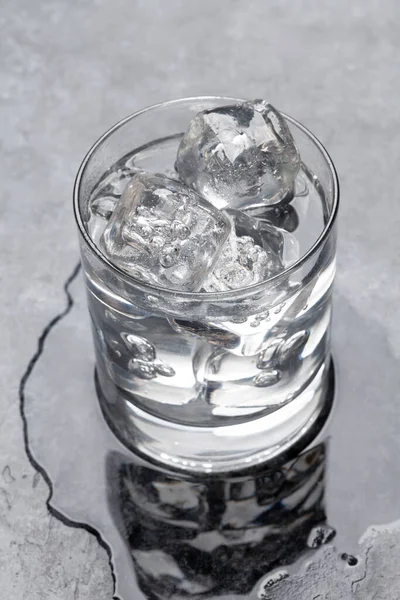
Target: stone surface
point(71, 70)
point(90, 490)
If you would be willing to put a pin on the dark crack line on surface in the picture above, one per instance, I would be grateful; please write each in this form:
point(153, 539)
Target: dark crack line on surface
point(357, 581)
point(7, 475)
point(22, 385)
point(6, 498)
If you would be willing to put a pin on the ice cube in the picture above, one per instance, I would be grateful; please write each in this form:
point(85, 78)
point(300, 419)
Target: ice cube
point(267, 235)
point(100, 211)
point(104, 198)
point(242, 262)
point(113, 182)
point(164, 233)
point(255, 250)
point(241, 155)
point(282, 242)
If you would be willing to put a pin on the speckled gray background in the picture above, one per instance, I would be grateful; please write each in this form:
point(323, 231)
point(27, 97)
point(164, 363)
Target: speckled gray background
point(68, 70)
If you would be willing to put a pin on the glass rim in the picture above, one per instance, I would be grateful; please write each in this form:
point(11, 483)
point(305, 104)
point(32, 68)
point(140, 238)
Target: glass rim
point(201, 296)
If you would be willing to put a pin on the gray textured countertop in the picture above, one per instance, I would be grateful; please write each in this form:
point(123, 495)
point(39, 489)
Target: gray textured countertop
point(69, 71)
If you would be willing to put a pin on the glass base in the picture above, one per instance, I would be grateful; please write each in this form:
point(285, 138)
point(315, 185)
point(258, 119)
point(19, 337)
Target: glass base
point(224, 448)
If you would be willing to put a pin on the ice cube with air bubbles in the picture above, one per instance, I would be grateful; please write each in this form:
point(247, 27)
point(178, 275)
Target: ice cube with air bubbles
point(273, 239)
point(255, 251)
point(164, 233)
point(240, 156)
point(241, 263)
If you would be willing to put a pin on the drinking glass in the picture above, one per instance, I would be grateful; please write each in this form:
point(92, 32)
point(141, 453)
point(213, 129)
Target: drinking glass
point(215, 381)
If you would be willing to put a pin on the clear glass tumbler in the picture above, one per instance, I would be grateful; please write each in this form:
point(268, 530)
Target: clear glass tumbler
point(216, 381)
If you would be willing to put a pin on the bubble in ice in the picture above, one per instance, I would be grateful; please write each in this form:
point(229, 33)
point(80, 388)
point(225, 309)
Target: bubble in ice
point(248, 257)
point(267, 235)
point(240, 264)
point(164, 233)
point(240, 156)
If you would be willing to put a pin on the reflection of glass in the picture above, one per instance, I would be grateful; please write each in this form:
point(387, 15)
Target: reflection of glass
point(208, 537)
point(208, 381)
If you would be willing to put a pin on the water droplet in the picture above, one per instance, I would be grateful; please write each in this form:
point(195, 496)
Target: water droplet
point(163, 369)
point(322, 534)
point(266, 378)
point(278, 309)
point(293, 345)
point(351, 560)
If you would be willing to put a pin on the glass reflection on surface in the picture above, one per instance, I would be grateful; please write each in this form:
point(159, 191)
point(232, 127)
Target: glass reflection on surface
point(206, 537)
